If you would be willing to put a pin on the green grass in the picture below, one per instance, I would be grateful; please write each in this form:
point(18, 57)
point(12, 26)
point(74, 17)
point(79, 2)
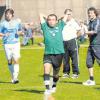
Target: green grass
point(31, 85)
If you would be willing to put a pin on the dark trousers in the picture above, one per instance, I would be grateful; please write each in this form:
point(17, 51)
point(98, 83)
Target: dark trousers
point(71, 51)
point(92, 54)
point(32, 40)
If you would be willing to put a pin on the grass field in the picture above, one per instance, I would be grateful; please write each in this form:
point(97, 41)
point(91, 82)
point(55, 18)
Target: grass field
point(31, 85)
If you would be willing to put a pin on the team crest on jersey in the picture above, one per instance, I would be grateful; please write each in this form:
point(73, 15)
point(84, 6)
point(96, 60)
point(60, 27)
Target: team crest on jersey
point(56, 28)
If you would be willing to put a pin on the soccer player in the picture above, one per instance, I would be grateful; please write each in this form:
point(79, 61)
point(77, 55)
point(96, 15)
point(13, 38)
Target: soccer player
point(10, 30)
point(52, 31)
point(28, 34)
point(94, 47)
point(70, 45)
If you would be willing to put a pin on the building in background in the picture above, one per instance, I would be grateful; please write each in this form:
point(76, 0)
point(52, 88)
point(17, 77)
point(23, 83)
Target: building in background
point(28, 10)
point(2, 8)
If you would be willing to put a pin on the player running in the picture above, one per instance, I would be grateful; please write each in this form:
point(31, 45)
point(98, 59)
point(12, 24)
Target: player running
point(10, 30)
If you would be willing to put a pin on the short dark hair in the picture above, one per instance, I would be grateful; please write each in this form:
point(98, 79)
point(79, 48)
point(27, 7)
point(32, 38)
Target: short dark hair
point(67, 10)
point(10, 10)
point(52, 15)
point(93, 9)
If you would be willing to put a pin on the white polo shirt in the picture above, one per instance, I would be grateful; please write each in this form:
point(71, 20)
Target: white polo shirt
point(70, 30)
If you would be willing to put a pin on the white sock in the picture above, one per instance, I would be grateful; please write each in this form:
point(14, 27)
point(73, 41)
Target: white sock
point(11, 68)
point(54, 83)
point(16, 71)
point(47, 82)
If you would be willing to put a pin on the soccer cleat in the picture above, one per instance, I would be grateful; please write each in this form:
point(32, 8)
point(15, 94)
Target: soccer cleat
point(47, 95)
point(65, 75)
point(74, 76)
point(15, 81)
point(89, 83)
point(53, 90)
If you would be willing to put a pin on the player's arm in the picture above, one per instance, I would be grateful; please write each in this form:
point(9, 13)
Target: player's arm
point(96, 29)
point(78, 29)
point(20, 32)
point(78, 33)
point(64, 18)
point(1, 28)
point(90, 32)
point(42, 18)
point(2, 35)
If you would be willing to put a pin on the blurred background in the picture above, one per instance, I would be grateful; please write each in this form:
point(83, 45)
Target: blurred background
point(28, 10)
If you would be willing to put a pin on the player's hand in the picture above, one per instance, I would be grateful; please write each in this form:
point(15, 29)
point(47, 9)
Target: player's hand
point(90, 32)
point(20, 33)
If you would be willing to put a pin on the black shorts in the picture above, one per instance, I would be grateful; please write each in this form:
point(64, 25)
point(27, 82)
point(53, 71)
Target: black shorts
point(92, 54)
point(54, 59)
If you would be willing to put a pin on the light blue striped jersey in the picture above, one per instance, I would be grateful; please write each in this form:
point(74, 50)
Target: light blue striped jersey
point(11, 27)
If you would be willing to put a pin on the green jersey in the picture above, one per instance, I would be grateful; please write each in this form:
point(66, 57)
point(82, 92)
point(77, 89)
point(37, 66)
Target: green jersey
point(53, 38)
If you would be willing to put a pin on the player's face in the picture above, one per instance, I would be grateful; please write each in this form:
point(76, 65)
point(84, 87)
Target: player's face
point(8, 16)
point(52, 21)
point(91, 14)
point(69, 15)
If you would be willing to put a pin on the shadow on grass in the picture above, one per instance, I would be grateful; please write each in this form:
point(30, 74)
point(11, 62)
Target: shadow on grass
point(97, 88)
point(30, 91)
point(37, 92)
point(2, 82)
point(70, 82)
point(40, 75)
point(43, 76)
